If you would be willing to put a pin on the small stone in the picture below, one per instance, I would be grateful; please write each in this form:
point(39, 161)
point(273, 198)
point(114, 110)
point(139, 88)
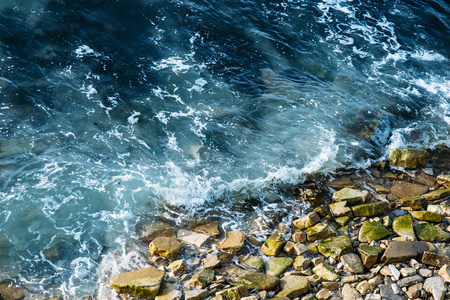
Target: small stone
point(335, 246)
point(202, 278)
point(196, 294)
point(408, 158)
point(168, 292)
point(278, 265)
point(234, 293)
point(193, 238)
point(352, 262)
point(331, 285)
point(326, 272)
point(425, 273)
point(234, 242)
point(319, 231)
point(258, 281)
point(429, 233)
point(274, 244)
point(308, 297)
point(289, 248)
point(339, 209)
point(444, 272)
point(299, 237)
point(301, 263)
point(341, 183)
point(350, 293)
point(436, 287)
point(408, 281)
point(415, 202)
point(402, 251)
point(307, 221)
point(436, 195)
point(372, 231)
point(141, 283)
point(434, 259)
point(342, 221)
point(394, 271)
point(413, 291)
point(178, 267)
point(370, 209)
point(151, 231)
point(216, 260)
point(427, 216)
point(403, 226)
point(408, 272)
point(300, 249)
point(373, 297)
point(211, 229)
point(254, 262)
point(292, 286)
point(363, 287)
point(396, 289)
point(387, 293)
point(317, 261)
point(324, 294)
point(369, 254)
point(352, 196)
point(165, 246)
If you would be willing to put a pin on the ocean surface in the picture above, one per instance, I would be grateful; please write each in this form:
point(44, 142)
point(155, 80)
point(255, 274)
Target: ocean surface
point(114, 113)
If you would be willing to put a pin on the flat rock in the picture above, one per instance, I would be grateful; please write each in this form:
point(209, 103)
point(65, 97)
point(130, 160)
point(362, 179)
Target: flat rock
point(408, 281)
point(293, 286)
point(335, 246)
point(350, 293)
point(319, 231)
point(233, 293)
point(167, 247)
point(143, 283)
point(429, 233)
point(408, 158)
point(436, 287)
point(211, 229)
point(254, 262)
point(152, 230)
point(307, 221)
point(278, 265)
point(403, 226)
point(387, 293)
point(341, 183)
point(401, 251)
point(196, 294)
point(444, 272)
point(406, 189)
point(258, 281)
point(369, 254)
point(193, 238)
point(352, 262)
point(168, 292)
point(202, 278)
point(370, 209)
point(427, 216)
point(340, 209)
point(436, 195)
point(178, 267)
point(372, 231)
point(325, 271)
point(352, 196)
point(234, 242)
point(415, 202)
point(434, 259)
point(273, 245)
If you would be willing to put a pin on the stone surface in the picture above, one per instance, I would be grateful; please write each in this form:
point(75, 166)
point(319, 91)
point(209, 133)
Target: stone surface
point(340, 209)
point(415, 202)
point(369, 254)
point(193, 238)
point(215, 261)
point(435, 195)
point(211, 229)
point(408, 271)
point(301, 263)
point(307, 221)
point(233, 293)
point(427, 216)
point(335, 246)
point(11, 292)
point(151, 231)
point(325, 271)
point(168, 292)
point(401, 251)
point(352, 262)
point(444, 179)
point(444, 272)
point(293, 286)
point(439, 209)
point(234, 242)
point(434, 259)
point(178, 267)
point(406, 189)
point(258, 281)
point(403, 226)
point(436, 287)
point(387, 293)
point(343, 220)
point(350, 293)
point(323, 294)
point(202, 278)
point(319, 231)
point(408, 158)
point(254, 262)
point(278, 265)
point(143, 283)
point(196, 294)
point(351, 196)
point(429, 233)
point(299, 236)
point(370, 209)
point(273, 245)
point(408, 281)
point(413, 291)
point(167, 247)
point(372, 231)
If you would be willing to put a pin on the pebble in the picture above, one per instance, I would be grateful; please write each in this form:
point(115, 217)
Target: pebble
point(324, 294)
point(408, 272)
point(425, 273)
point(394, 272)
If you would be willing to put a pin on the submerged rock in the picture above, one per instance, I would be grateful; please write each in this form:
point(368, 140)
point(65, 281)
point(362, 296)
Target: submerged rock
point(335, 246)
point(319, 231)
point(258, 281)
point(429, 233)
point(234, 242)
point(403, 226)
point(293, 286)
point(144, 283)
point(307, 221)
point(408, 158)
point(273, 245)
point(352, 196)
point(278, 265)
point(151, 231)
point(372, 231)
point(165, 246)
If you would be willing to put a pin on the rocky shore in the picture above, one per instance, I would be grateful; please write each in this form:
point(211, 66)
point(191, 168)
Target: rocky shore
point(380, 233)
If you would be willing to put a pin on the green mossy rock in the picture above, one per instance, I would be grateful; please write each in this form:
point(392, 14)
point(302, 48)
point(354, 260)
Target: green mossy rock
point(167, 247)
point(273, 245)
point(352, 196)
point(408, 158)
point(319, 231)
point(254, 262)
point(370, 209)
point(403, 226)
point(278, 265)
point(335, 246)
point(144, 283)
point(211, 229)
point(435, 195)
point(258, 281)
point(429, 233)
point(234, 242)
point(415, 202)
point(307, 221)
point(293, 286)
point(427, 216)
point(202, 278)
point(343, 220)
point(372, 231)
point(234, 293)
point(369, 254)
point(325, 271)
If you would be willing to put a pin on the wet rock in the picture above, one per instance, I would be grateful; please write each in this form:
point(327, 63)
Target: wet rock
point(258, 281)
point(342, 221)
point(372, 231)
point(319, 231)
point(369, 254)
point(370, 209)
point(324, 294)
point(143, 283)
point(341, 183)
point(436, 287)
point(403, 226)
point(202, 278)
point(415, 202)
point(406, 189)
point(444, 272)
point(233, 293)
point(301, 263)
point(193, 238)
point(293, 286)
point(436, 195)
point(254, 262)
point(300, 249)
point(312, 193)
point(352, 262)
point(278, 265)
point(434, 259)
point(408, 281)
point(429, 233)
point(168, 292)
point(151, 231)
point(165, 246)
point(217, 260)
point(350, 293)
point(444, 179)
point(178, 267)
point(234, 242)
point(307, 221)
point(335, 246)
point(439, 209)
point(340, 209)
point(211, 229)
point(427, 216)
point(325, 271)
point(410, 158)
point(196, 294)
point(273, 245)
point(401, 251)
point(299, 237)
point(351, 196)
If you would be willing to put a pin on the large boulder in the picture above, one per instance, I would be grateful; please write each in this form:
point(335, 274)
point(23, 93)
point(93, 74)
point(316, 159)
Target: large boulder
point(273, 245)
point(319, 231)
point(258, 281)
point(410, 158)
point(293, 286)
point(307, 221)
point(165, 246)
point(278, 265)
point(401, 251)
point(144, 283)
point(403, 226)
point(352, 196)
point(429, 233)
point(372, 231)
point(370, 209)
point(335, 246)
point(234, 242)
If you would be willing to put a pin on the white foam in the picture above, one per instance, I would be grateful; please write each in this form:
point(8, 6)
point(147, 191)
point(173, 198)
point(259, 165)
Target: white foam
point(85, 50)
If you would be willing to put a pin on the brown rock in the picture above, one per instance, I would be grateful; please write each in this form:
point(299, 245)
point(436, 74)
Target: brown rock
point(211, 229)
point(196, 294)
point(401, 251)
point(406, 189)
point(151, 231)
point(415, 202)
point(11, 292)
point(143, 283)
point(202, 278)
point(435, 195)
point(434, 259)
point(178, 267)
point(425, 179)
point(234, 242)
point(444, 272)
point(165, 246)
point(341, 183)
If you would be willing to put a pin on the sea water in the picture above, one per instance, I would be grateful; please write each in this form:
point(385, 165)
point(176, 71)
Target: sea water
point(115, 112)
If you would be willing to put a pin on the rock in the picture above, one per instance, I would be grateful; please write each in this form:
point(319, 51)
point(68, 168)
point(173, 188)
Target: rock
point(168, 292)
point(439, 209)
point(370, 209)
point(217, 260)
point(406, 189)
point(427, 216)
point(429, 233)
point(351, 196)
point(373, 297)
point(310, 192)
point(211, 229)
point(394, 271)
point(324, 294)
point(333, 286)
point(254, 262)
point(300, 249)
point(408, 272)
point(323, 270)
point(363, 287)
point(387, 293)
point(444, 272)
point(408, 281)
point(301, 263)
point(151, 231)
point(434, 259)
point(402, 251)
point(352, 262)
point(410, 158)
point(196, 294)
point(425, 272)
point(234, 242)
point(435, 195)
point(339, 209)
point(415, 202)
point(369, 254)
point(335, 246)
point(307, 221)
point(319, 231)
point(202, 278)
point(233, 293)
point(51, 252)
point(403, 226)
point(444, 179)
point(278, 265)
point(11, 292)
point(293, 286)
point(165, 246)
point(413, 291)
point(341, 183)
point(273, 245)
point(436, 287)
point(350, 293)
point(193, 238)
point(372, 231)
point(342, 221)
point(299, 237)
point(258, 281)
point(178, 267)
point(143, 283)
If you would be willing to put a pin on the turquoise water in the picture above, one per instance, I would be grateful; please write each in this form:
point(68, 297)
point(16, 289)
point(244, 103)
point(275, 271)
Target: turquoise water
point(115, 112)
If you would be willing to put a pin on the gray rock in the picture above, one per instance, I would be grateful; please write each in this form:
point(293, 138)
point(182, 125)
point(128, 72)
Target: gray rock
point(350, 293)
point(387, 293)
point(436, 287)
point(400, 251)
point(352, 262)
point(196, 294)
point(408, 281)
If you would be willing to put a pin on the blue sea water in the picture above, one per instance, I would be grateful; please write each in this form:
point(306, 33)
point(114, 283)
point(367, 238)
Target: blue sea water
point(115, 112)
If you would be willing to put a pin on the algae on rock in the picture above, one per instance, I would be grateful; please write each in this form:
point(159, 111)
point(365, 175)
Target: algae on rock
point(372, 231)
point(144, 283)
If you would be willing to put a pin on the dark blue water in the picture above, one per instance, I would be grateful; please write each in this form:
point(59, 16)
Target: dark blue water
point(113, 111)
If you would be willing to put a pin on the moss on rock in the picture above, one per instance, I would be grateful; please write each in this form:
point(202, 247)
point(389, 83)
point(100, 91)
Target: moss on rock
point(144, 283)
point(372, 231)
point(403, 226)
point(335, 246)
point(429, 233)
